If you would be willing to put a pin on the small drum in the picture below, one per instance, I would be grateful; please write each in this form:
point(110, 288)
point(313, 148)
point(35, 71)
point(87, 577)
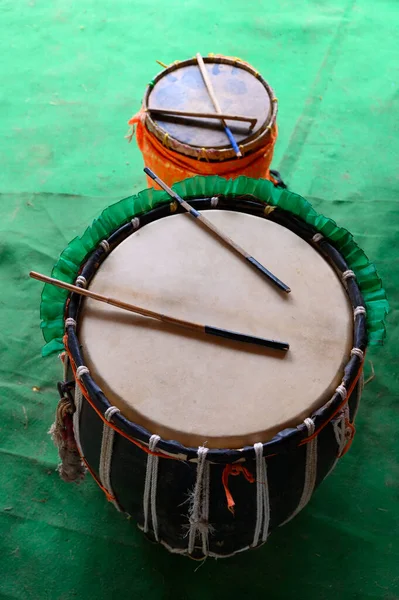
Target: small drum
point(180, 147)
point(210, 445)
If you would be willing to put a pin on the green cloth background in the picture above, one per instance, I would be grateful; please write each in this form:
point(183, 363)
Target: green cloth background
point(73, 72)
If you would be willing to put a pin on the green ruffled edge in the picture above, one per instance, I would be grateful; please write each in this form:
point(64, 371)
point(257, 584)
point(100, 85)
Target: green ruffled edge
point(67, 267)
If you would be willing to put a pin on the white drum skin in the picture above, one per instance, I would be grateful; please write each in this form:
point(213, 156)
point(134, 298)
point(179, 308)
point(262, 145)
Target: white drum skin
point(197, 389)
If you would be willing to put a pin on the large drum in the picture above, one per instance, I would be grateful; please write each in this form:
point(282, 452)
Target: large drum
point(179, 147)
point(210, 444)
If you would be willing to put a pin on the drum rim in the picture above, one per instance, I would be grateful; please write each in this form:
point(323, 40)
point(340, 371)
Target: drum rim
point(286, 439)
point(221, 153)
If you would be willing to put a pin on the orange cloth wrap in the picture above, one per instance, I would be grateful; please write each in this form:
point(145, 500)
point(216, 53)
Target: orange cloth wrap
point(172, 166)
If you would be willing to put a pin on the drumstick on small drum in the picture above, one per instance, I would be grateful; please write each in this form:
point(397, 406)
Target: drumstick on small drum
point(215, 102)
point(198, 115)
point(197, 215)
point(207, 329)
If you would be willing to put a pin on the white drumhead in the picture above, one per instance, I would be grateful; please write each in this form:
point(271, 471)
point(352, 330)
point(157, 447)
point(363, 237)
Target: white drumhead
point(195, 388)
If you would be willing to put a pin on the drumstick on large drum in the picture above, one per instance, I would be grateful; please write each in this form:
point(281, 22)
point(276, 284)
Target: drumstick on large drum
point(207, 329)
point(215, 230)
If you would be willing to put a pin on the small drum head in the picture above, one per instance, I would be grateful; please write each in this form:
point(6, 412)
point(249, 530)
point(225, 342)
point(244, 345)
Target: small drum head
point(239, 89)
point(197, 389)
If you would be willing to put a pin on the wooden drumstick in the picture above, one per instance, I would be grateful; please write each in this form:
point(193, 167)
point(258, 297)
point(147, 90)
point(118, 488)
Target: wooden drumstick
point(145, 312)
point(197, 215)
point(216, 104)
point(199, 115)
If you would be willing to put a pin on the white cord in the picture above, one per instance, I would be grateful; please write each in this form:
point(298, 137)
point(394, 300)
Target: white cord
point(310, 470)
point(199, 512)
point(262, 496)
point(104, 471)
point(150, 488)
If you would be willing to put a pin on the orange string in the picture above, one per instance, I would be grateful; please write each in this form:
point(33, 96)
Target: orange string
point(109, 496)
point(234, 470)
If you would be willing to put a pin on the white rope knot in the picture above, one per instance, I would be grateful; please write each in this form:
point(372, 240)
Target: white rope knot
point(110, 412)
point(69, 322)
point(81, 281)
point(310, 425)
point(154, 439)
point(262, 496)
point(80, 371)
point(317, 238)
point(268, 209)
point(341, 430)
point(214, 201)
point(104, 245)
point(357, 352)
point(348, 274)
point(135, 222)
point(202, 452)
point(199, 511)
point(359, 310)
point(341, 390)
point(150, 488)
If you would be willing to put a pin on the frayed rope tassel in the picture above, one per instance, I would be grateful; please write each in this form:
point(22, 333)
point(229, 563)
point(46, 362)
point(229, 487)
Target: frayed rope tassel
point(71, 467)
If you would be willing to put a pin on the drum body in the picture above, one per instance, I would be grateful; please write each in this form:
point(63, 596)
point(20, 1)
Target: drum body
point(288, 478)
point(203, 499)
point(180, 147)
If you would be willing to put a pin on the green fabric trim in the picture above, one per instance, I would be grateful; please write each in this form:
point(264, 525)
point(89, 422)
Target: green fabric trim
point(68, 265)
